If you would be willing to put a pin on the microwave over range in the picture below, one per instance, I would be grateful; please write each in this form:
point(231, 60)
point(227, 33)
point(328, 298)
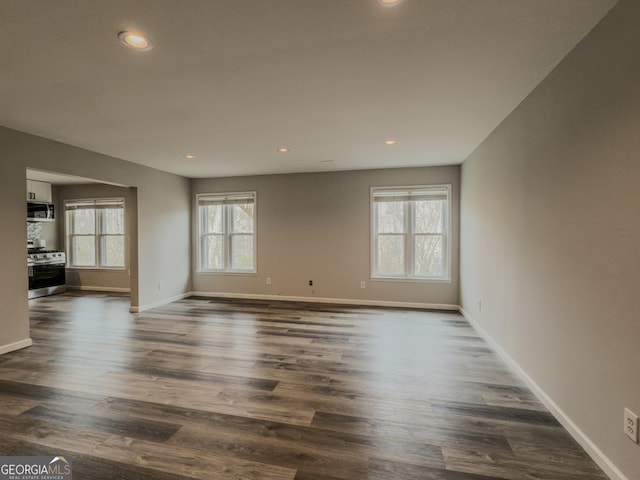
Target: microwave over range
point(40, 212)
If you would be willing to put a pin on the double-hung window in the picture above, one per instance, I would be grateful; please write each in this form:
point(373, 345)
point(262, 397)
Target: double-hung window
point(95, 233)
point(227, 226)
point(411, 232)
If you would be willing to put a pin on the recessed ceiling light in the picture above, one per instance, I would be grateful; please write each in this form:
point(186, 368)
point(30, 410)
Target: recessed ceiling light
point(135, 40)
point(283, 150)
point(390, 142)
point(389, 3)
point(325, 161)
point(190, 157)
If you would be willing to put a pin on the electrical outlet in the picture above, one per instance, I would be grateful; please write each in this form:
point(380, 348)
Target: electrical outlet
point(311, 283)
point(363, 284)
point(268, 280)
point(631, 425)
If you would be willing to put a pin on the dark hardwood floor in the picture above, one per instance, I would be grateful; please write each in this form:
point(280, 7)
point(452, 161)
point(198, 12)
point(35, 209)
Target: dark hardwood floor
point(261, 390)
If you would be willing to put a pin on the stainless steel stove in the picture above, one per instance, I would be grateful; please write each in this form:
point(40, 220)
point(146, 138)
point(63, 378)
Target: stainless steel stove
point(46, 272)
point(42, 257)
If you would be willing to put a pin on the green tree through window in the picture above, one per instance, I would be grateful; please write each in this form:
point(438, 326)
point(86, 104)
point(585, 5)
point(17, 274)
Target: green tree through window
point(410, 237)
point(95, 231)
point(227, 232)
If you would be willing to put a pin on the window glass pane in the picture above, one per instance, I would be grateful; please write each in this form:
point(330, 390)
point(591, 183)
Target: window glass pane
point(242, 252)
point(85, 226)
point(214, 218)
point(227, 227)
point(429, 256)
point(390, 259)
point(84, 221)
point(84, 251)
point(390, 217)
point(113, 219)
point(429, 216)
point(242, 218)
point(113, 251)
point(213, 250)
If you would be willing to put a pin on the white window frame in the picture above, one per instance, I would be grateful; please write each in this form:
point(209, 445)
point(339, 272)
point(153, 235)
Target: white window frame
point(409, 233)
point(98, 205)
point(228, 234)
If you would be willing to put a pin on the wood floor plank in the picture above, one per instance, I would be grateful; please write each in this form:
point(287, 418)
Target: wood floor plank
point(49, 393)
point(489, 411)
point(513, 467)
point(388, 429)
point(184, 461)
point(259, 440)
point(379, 470)
point(51, 434)
point(15, 405)
point(88, 467)
point(233, 389)
point(271, 448)
point(143, 429)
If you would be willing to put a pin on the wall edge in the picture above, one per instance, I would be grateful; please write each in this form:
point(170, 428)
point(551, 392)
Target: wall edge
point(604, 462)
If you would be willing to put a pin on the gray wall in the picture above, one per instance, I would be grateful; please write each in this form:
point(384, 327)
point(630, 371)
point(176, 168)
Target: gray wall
point(550, 232)
point(88, 278)
point(316, 226)
point(161, 247)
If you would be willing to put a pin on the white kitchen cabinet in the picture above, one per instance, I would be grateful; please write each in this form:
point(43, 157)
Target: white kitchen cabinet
point(38, 191)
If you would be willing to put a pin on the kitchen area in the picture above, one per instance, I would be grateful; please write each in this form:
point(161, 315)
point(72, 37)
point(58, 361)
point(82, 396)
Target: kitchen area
point(94, 256)
point(46, 265)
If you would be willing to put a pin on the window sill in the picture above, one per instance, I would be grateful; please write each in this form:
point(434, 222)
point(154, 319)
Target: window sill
point(411, 279)
point(97, 269)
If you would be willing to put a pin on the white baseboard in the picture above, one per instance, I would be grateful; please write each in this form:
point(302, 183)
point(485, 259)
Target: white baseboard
point(591, 448)
point(10, 347)
point(98, 289)
point(339, 301)
point(159, 303)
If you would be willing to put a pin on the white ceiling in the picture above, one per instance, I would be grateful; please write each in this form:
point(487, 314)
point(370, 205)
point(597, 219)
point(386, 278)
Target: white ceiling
point(230, 81)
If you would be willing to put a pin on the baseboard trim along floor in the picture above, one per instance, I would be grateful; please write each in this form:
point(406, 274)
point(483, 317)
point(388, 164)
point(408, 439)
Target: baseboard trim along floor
point(333, 301)
point(10, 347)
point(159, 303)
point(89, 288)
point(585, 442)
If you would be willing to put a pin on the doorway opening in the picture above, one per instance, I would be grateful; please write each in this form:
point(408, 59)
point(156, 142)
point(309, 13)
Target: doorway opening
point(87, 240)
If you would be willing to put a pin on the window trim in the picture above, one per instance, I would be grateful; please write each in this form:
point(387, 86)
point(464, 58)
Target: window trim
point(227, 235)
point(99, 237)
point(409, 235)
